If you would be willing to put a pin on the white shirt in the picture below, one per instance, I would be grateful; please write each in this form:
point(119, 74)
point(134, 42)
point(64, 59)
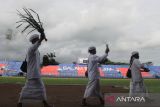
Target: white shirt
point(93, 61)
point(33, 61)
point(135, 70)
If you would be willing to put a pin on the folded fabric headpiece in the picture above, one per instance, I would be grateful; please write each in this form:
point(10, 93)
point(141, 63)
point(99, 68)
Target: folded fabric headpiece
point(135, 52)
point(33, 37)
point(92, 48)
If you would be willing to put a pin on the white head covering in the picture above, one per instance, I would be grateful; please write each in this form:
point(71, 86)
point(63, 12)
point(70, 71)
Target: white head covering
point(135, 52)
point(91, 48)
point(33, 37)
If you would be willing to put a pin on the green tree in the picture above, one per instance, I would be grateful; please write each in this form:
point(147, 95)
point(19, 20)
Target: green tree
point(49, 59)
point(109, 62)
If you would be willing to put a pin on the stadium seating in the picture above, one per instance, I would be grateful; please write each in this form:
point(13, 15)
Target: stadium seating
point(155, 71)
point(67, 70)
point(111, 71)
point(12, 68)
point(50, 71)
point(2, 66)
point(14, 65)
point(81, 69)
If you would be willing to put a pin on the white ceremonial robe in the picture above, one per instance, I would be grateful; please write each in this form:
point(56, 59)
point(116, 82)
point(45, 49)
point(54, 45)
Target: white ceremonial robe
point(93, 86)
point(33, 90)
point(34, 87)
point(137, 86)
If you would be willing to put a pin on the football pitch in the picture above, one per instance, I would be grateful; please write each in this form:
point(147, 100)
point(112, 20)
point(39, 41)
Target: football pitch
point(153, 85)
point(67, 92)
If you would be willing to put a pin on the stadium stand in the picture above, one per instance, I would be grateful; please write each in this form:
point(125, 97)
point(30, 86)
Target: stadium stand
point(12, 68)
point(155, 71)
point(14, 65)
point(2, 66)
point(50, 71)
point(81, 69)
point(111, 71)
point(101, 72)
point(67, 70)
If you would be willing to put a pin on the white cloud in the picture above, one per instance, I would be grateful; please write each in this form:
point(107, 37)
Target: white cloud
point(72, 26)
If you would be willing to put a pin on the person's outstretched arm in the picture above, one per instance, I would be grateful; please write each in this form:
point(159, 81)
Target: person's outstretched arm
point(36, 45)
point(100, 59)
point(42, 37)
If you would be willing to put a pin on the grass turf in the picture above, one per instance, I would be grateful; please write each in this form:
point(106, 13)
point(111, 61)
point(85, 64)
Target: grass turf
point(153, 85)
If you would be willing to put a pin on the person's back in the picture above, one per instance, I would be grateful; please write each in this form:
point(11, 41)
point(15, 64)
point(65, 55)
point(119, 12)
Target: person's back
point(33, 61)
point(93, 72)
point(34, 88)
point(137, 86)
point(93, 86)
point(135, 70)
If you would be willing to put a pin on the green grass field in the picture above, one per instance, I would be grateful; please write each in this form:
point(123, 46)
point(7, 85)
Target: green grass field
point(153, 85)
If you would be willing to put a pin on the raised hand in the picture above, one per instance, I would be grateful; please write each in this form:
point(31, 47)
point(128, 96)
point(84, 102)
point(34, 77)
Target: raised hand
point(107, 49)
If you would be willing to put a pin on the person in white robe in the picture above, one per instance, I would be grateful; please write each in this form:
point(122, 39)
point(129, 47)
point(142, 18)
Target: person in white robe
point(137, 86)
point(93, 86)
point(34, 88)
